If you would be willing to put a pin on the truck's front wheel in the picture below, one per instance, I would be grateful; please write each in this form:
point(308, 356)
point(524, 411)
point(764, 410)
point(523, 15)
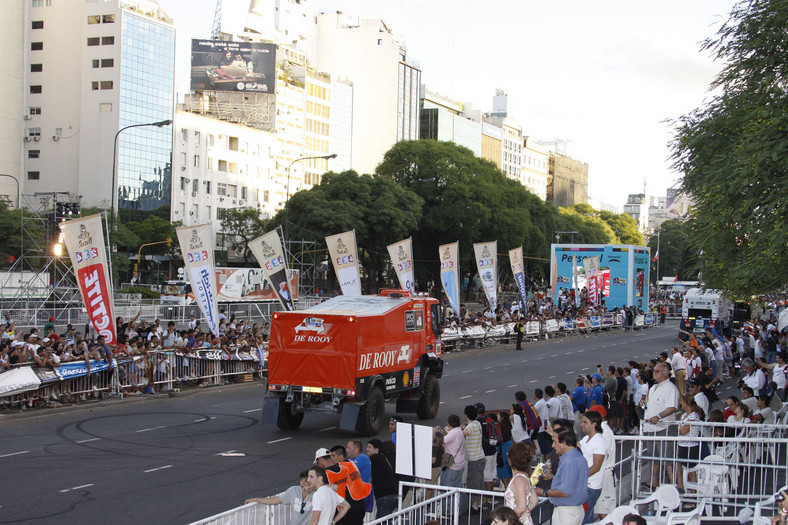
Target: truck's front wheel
point(430, 399)
point(287, 418)
point(372, 414)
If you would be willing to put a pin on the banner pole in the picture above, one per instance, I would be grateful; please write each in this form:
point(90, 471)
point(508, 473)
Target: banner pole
point(109, 257)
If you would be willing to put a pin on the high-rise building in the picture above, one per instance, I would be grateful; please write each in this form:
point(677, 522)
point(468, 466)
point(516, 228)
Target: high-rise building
point(637, 208)
point(442, 119)
point(93, 68)
point(535, 168)
point(568, 181)
point(12, 113)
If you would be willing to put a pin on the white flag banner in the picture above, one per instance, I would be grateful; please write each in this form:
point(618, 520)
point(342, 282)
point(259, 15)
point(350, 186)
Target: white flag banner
point(487, 264)
point(344, 255)
point(449, 255)
point(197, 250)
point(518, 270)
point(271, 257)
point(401, 254)
point(84, 240)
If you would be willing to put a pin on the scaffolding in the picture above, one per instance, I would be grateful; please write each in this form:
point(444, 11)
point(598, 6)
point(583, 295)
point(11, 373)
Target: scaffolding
point(304, 256)
point(40, 282)
point(255, 110)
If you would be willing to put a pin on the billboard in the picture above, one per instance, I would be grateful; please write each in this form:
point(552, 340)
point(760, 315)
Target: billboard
point(625, 271)
point(249, 284)
point(233, 66)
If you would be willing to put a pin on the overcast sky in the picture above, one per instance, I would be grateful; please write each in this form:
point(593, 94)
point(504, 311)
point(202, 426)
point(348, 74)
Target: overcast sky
point(608, 76)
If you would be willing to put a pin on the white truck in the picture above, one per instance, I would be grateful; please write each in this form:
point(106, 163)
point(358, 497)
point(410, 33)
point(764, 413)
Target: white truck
point(706, 309)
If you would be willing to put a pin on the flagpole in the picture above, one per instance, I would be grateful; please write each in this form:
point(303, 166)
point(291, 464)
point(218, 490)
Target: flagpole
point(659, 231)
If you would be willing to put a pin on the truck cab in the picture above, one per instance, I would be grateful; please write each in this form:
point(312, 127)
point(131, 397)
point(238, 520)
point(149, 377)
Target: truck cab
point(351, 354)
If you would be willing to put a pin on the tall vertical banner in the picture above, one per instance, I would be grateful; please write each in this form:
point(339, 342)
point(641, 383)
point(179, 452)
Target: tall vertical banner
point(197, 250)
point(268, 251)
point(518, 269)
point(487, 264)
point(401, 254)
point(84, 240)
point(344, 255)
point(591, 265)
point(449, 256)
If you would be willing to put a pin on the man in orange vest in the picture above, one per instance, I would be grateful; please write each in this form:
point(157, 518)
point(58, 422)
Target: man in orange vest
point(345, 475)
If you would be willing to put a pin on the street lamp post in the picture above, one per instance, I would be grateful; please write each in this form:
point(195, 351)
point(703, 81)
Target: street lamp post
point(287, 192)
point(159, 124)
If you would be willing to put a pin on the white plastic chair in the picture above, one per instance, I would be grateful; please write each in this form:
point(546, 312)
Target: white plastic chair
point(712, 479)
point(616, 517)
point(758, 518)
point(686, 518)
point(666, 498)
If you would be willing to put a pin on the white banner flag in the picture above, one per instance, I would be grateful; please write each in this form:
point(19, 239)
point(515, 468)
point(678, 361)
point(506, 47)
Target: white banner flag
point(270, 256)
point(591, 265)
point(449, 255)
point(487, 263)
point(401, 254)
point(344, 256)
point(84, 240)
point(518, 270)
point(197, 250)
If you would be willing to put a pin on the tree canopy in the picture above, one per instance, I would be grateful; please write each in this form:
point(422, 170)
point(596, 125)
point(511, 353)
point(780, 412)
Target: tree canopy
point(733, 152)
point(240, 226)
point(679, 256)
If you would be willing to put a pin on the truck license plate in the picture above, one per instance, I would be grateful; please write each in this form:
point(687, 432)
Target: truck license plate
point(312, 389)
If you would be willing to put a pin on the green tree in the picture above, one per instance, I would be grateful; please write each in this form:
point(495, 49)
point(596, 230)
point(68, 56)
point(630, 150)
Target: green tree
point(590, 228)
point(625, 228)
point(240, 226)
point(733, 152)
point(678, 254)
point(380, 210)
point(10, 226)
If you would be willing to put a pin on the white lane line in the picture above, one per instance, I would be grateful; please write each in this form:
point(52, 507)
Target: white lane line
point(279, 440)
point(228, 452)
point(551, 377)
point(14, 454)
point(586, 368)
point(579, 351)
point(511, 386)
point(538, 359)
point(554, 355)
point(87, 440)
point(489, 391)
point(326, 429)
point(467, 371)
point(200, 420)
point(152, 428)
point(507, 364)
point(442, 402)
point(488, 368)
point(533, 381)
point(157, 468)
point(569, 373)
point(465, 397)
point(253, 410)
point(77, 488)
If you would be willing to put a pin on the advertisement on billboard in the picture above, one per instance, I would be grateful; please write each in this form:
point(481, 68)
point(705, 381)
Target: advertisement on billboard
point(233, 66)
point(250, 284)
point(624, 270)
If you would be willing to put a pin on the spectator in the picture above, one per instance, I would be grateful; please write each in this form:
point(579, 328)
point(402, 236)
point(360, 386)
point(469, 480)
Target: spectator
point(569, 490)
point(689, 449)
point(519, 493)
point(474, 454)
point(384, 480)
point(454, 444)
point(594, 449)
point(328, 507)
point(299, 497)
point(662, 403)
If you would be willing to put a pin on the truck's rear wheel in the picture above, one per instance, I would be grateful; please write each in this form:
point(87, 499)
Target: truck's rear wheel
point(372, 414)
point(287, 418)
point(430, 399)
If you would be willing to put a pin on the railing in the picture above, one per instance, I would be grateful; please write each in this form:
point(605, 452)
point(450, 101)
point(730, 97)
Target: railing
point(251, 513)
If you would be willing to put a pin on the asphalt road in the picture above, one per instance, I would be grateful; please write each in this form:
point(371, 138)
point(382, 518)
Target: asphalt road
point(159, 459)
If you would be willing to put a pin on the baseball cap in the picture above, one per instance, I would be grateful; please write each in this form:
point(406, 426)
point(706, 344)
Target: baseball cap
point(693, 382)
point(46, 339)
point(479, 407)
point(321, 453)
point(597, 377)
point(600, 409)
point(51, 318)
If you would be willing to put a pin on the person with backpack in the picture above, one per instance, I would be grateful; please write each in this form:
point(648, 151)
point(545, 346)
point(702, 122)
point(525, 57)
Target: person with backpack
point(491, 437)
point(531, 417)
point(474, 455)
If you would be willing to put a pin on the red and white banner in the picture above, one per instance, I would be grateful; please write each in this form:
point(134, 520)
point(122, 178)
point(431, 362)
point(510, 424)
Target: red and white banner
point(84, 240)
point(268, 251)
point(591, 265)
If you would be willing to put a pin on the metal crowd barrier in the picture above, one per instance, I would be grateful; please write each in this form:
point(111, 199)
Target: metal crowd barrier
point(251, 513)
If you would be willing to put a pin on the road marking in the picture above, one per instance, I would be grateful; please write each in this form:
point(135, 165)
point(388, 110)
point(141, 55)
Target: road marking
point(465, 397)
point(467, 371)
point(253, 410)
point(279, 440)
point(442, 402)
point(489, 391)
point(554, 355)
point(14, 454)
point(488, 368)
point(586, 368)
point(157, 468)
point(551, 377)
point(538, 359)
point(325, 429)
point(232, 454)
point(152, 428)
point(200, 420)
point(533, 381)
point(88, 440)
point(511, 386)
point(569, 373)
point(77, 488)
point(579, 351)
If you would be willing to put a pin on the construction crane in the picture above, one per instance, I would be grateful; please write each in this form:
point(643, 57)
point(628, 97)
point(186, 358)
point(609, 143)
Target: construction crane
point(216, 29)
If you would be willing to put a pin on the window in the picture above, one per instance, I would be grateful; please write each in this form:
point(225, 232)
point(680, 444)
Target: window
point(36, 46)
point(185, 133)
point(33, 175)
point(243, 192)
point(210, 163)
point(94, 19)
point(233, 143)
point(196, 136)
point(36, 68)
point(221, 188)
point(38, 3)
point(232, 191)
point(94, 86)
point(108, 19)
point(265, 195)
point(35, 110)
point(207, 187)
point(196, 161)
point(208, 212)
point(33, 153)
point(210, 140)
point(106, 84)
point(96, 63)
point(195, 185)
point(183, 159)
point(107, 62)
point(35, 89)
point(223, 165)
point(105, 107)
point(107, 40)
point(38, 24)
point(195, 210)
point(183, 183)
point(94, 41)
point(33, 132)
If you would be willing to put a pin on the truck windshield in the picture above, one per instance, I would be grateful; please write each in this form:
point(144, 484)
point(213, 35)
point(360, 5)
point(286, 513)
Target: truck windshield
point(699, 312)
point(437, 319)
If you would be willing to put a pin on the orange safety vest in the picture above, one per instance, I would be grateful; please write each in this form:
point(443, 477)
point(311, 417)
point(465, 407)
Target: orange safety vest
point(348, 480)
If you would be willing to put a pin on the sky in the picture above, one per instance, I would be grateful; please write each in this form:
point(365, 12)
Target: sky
point(608, 76)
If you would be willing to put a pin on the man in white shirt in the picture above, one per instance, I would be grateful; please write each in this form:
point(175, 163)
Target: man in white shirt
point(553, 404)
point(594, 449)
point(663, 402)
point(325, 501)
point(679, 366)
point(754, 377)
point(700, 398)
point(542, 437)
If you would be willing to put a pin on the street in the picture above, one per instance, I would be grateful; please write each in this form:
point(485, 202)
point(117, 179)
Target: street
point(177, 459)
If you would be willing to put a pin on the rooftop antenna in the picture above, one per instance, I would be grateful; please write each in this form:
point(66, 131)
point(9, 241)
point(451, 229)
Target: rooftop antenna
point(216, 30)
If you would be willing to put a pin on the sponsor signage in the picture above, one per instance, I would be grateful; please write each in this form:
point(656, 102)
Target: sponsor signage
point(268, 251)
point(218, 65)
point(401, 254)
point(414, 320)
point(516, 262)
point(197, 250)
point(344, 256)
point(486, 262)
point(449, 256)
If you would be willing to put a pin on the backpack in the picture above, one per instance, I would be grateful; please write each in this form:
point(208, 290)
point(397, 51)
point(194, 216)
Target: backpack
point(531, 416)
point(605, 399)
point(491, 436)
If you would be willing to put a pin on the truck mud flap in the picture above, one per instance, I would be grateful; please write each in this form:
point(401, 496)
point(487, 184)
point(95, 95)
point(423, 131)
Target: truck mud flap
point(349, 416)
point(270, 410)
point(407, 404)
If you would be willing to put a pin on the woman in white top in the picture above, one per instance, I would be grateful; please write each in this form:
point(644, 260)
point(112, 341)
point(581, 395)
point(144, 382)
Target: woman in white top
point(741, 414)
point(689, 450)
point(519, 494)
point(779, 373)
point(519, 430)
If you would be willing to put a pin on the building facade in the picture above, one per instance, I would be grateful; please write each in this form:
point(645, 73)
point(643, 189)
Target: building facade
point(442, 119)
point(14, 35)
point(535, 169)
point(637, 208)
point(568, 181)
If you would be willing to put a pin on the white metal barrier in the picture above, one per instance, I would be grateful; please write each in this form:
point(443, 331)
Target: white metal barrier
point(251, 514)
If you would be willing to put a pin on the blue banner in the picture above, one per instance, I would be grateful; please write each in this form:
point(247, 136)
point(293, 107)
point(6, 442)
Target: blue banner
point(595, 321)
point(569, 324)
point(649, 318)
point(79, 368)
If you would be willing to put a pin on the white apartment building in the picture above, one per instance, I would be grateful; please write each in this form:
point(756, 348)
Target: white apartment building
point(534, 171)
point(92, 68)
point(637, 208)
point(13, 46)
point(512, 151)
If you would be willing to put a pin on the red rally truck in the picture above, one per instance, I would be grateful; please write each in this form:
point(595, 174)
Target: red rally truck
point(351, 354)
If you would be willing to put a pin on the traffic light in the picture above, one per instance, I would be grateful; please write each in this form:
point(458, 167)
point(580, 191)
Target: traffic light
point(169, 241)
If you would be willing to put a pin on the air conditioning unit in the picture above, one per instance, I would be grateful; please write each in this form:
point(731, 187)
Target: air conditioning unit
point(221, 199)
point(28, 117)
point(241, 202)
point(191, 213)
point(36, 138)
point(183, 168)
point(55, 137)
point(234, 201)
point(188, 181)
point(194, 194)
point(28, 139)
